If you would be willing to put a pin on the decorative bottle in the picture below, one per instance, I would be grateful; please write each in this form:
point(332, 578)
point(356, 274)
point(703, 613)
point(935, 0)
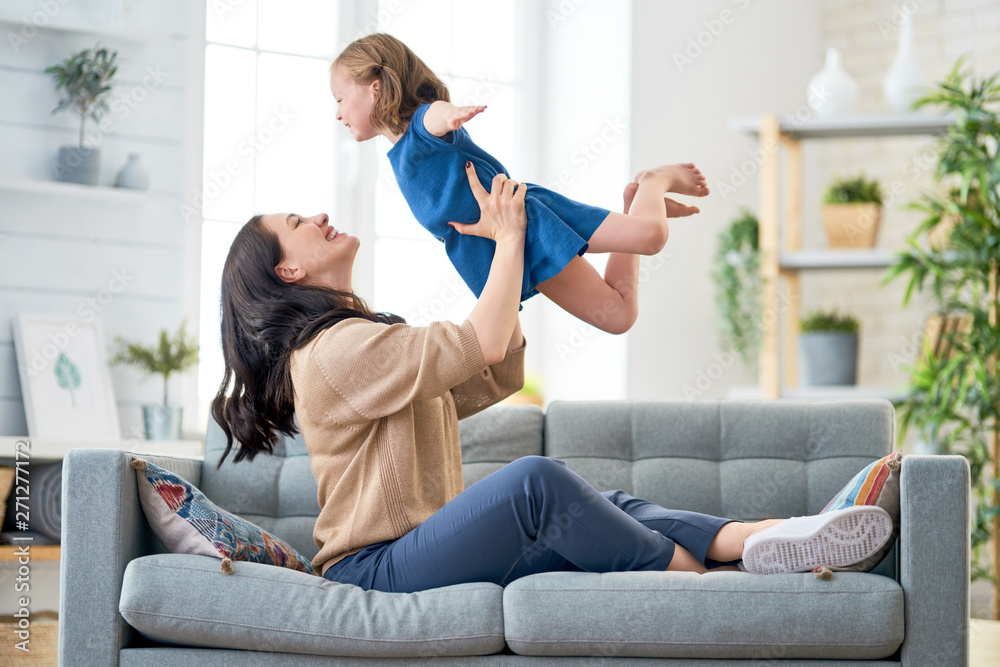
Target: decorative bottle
point(832, 91)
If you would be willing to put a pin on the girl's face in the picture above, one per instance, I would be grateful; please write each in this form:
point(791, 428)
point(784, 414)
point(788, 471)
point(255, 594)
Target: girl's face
point(314, 251)
point(354, 103)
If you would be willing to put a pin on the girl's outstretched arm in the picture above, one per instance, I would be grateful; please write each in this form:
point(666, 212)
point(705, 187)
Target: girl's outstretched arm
point(443, 117)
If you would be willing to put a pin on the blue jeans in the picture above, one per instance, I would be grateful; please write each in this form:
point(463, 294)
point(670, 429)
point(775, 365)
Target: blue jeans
point(533, 515)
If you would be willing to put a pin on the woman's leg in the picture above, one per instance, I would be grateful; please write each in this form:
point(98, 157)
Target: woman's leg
point(700, 535)
point(532, 515)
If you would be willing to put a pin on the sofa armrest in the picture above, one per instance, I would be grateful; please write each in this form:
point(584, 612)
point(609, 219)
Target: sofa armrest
point(934, 541)
point(103, 528)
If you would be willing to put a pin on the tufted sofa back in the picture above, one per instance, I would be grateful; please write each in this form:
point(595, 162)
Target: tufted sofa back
point(745, 460)
point(738, 459)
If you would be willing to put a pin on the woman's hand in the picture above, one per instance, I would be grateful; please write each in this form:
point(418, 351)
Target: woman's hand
point(502, 214)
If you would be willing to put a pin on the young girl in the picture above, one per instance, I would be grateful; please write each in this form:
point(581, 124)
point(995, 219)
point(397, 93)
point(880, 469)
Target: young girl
point(383, 88)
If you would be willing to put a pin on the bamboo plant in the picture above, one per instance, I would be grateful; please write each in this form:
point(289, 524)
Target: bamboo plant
point(954, 395)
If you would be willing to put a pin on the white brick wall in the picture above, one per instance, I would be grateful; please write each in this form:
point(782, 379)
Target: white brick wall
point(866, 33)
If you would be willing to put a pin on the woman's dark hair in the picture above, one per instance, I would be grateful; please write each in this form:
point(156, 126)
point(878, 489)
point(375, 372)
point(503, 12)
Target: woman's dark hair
point(405, 80)
point(264, 319)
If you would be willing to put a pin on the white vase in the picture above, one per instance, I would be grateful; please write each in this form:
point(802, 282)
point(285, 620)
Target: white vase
point(905, 81)
point(832, 91)
point(133, 174)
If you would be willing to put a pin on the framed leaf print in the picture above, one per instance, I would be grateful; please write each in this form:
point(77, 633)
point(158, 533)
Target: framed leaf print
point(65, 378)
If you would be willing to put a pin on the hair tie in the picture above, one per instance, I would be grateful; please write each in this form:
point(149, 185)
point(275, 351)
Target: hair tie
point(379, 66)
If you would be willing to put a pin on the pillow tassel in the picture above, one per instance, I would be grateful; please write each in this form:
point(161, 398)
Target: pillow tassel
point(895, 463)
point(824, 573)
point(138, 464)
point(227, 565)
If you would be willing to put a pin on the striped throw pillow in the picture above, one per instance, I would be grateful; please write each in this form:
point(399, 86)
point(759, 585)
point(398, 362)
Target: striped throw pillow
point(877, 484)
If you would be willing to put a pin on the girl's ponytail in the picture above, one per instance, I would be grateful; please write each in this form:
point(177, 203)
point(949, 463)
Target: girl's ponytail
point(405, 82)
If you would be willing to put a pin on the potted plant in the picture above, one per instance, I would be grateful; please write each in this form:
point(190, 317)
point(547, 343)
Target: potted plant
point(852, 211)
point(954, 395)
point(736, 273)
point(828, 349)
point(171, 355)
point(84, 79)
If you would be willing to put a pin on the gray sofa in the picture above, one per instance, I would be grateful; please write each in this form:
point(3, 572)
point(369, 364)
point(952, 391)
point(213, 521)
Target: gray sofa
point(124, 601)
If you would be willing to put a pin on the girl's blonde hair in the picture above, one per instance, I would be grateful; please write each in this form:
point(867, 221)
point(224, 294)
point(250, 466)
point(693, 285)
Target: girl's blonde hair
point(405, 82)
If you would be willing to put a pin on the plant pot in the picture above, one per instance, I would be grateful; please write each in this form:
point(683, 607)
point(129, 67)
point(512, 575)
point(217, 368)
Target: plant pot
point(78, 165)
point(162, 422)
point(937, 237)
point(851, 225)
point(937, 328)
point(828, 358)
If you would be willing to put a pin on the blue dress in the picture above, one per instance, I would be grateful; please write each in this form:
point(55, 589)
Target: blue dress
point(430, 172)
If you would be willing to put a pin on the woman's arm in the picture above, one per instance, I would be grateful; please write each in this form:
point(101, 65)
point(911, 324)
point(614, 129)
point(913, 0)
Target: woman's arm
point(443, 117)
point(503, 219)
point(517, 338)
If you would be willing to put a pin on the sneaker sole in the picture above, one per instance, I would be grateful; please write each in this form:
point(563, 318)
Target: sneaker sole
point(846, 539)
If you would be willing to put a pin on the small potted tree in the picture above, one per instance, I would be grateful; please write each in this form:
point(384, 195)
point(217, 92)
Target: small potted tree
point(171, 355)
point(84, 79)
point(828, 349)
point(852, 211)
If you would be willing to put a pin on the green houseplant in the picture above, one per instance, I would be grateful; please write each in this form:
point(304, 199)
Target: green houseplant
point(171, 355)
point(852, 212)
point(954, 393)
point(736, 273)
point(84, 81)
point(828, 349)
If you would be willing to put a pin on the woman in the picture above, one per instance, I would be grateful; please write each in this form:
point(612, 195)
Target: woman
point(378, 404)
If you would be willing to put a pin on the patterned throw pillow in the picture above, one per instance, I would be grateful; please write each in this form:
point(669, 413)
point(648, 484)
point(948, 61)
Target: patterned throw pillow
point(877, 484)
point(188, 522)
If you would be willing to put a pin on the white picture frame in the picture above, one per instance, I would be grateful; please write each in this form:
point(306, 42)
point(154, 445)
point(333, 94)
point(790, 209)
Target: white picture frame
point(65, 377)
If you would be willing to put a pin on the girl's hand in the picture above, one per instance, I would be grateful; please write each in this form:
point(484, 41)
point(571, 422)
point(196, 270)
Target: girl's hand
point(454, 117)
point(501, 210)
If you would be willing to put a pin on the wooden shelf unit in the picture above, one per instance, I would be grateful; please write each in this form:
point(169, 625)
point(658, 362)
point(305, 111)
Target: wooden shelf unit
point(786, 263)
point(9, 553)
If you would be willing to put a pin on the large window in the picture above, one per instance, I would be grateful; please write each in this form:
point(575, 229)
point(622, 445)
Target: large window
point(272, 143)
point(270, 135)
point(476, 65)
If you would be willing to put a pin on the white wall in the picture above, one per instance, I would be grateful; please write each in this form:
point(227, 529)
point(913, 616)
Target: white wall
point(695, 66)
point(582, 151)
point(59, 250)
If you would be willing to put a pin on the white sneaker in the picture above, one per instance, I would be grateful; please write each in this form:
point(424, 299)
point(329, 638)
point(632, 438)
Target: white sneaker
point(836, 539)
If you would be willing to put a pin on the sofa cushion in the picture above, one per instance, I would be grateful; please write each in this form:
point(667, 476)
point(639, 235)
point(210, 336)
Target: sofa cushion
point(877, 484)
point(187, 522)
point(732, 615)
point(184, 599)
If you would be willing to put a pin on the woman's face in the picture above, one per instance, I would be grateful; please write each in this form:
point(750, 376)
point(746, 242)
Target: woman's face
point(354, 103)
point(314, 252)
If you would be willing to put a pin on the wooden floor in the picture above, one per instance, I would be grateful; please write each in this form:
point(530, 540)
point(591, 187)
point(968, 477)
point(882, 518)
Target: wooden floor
point(984, 643)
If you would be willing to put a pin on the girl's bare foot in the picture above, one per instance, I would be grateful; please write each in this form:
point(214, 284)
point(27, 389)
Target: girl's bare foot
point(674, 209)
point(684, 179)
point(629, 194)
